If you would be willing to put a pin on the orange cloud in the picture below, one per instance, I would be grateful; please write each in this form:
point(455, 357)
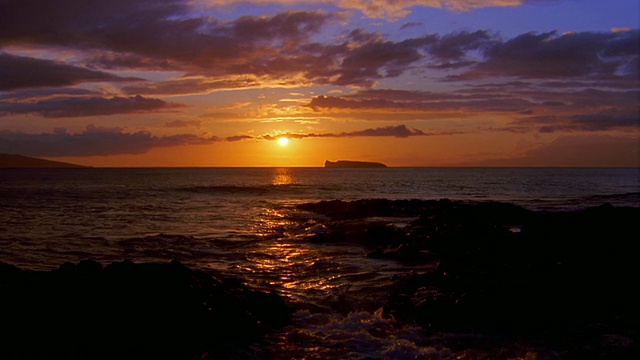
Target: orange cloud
point(385, 9)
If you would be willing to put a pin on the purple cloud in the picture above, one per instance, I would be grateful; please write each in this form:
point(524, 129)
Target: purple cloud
point(81, 107)
point(574, 55)
point(399, 131)
point(92, 141)
point(18, 72)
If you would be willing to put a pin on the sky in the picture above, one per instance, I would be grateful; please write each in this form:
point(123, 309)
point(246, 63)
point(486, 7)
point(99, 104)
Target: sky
point(155, 83)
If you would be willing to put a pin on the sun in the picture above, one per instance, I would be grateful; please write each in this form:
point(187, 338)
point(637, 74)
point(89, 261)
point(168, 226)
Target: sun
point(283, 141)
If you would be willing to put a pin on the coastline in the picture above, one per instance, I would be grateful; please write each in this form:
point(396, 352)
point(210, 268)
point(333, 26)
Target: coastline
point(504, 279)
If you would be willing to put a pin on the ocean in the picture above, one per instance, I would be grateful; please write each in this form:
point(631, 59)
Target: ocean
point(245, 223)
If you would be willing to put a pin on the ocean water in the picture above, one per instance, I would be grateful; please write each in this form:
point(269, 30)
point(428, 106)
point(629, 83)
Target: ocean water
point(242, 222)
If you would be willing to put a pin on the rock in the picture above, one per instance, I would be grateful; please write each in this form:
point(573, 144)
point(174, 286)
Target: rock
point(563, 274)
point(125, 309)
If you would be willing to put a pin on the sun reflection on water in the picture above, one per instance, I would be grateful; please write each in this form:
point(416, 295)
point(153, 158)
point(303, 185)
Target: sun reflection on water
point(285, 260)
point(282, 176)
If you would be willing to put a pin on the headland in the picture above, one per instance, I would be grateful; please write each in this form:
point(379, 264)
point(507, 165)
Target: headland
point(15, 161)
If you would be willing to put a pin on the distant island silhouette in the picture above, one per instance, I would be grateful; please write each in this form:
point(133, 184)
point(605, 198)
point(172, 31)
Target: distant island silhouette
point(353, 164)
point(15, 161)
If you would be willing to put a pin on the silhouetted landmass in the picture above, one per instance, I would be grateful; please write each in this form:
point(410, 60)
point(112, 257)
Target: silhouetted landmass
point(13, 161)
point(562, 283)
point(353, 164)
point(127, 310)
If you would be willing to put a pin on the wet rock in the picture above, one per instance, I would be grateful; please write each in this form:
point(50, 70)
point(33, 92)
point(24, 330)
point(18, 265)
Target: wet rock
point(125, 309)
point(563, 273)
point(358, 209)
point(408, 254)
point(507, 271)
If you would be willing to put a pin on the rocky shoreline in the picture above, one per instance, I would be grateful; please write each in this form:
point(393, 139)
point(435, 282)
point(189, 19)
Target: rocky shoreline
point(561, 282)
point(128, 310)
point(502, 282)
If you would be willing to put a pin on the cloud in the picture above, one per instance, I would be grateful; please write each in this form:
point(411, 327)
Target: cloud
point(550, 55)
point(18, 72)
point(590, 122)
point(182, 124)
point(530, 107)
point(199, 85)
point(399, 131)
point(92, 141)
point(455, 46)
point(379, 58)
point(38, 94)
point(86, 106)
point(284, 49)
point(78, 23)
point(572, 151)
point(388, 9)
point(239, 137)
point(420, 101)
point(102, 141)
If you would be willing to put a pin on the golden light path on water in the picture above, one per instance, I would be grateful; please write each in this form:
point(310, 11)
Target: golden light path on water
point(281, 177)
point(336, 285)
point(284, 259)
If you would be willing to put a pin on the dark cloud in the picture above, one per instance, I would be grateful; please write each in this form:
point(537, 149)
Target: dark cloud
point(239, 137)
point(162, 35)
point(18, 72)
point(78, 23)
point(120, 36)
point(572, 55)
point(399, 131)
point(606, 121)
point(86, 106)
point(455, 46)
point(190, 86)
point(100, 141)
point(289, 24)
point(421, 101)
point(182, 123)
point(408, 25)
point(93, 141)
point(114, 61)
point(36, 94)
point(601, 121)
point(379, 59)
point(532, 108)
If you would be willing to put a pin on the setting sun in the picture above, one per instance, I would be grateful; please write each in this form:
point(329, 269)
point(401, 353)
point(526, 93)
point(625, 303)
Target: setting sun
point(283, 141)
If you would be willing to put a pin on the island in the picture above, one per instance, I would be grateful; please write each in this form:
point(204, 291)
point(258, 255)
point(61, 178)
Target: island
point(14, 161)
point(353, 164)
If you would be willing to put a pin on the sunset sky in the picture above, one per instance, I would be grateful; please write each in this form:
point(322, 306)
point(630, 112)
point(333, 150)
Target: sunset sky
point(404, 82)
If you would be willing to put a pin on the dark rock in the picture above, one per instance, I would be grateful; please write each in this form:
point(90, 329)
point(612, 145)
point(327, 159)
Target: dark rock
point(408, 254)
point(127, 309)
point(507, 271)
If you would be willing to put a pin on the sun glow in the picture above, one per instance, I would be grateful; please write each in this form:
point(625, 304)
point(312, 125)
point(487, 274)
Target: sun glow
point(283, 141)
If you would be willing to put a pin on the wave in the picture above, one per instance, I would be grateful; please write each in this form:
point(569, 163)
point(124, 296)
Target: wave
point(630, 199)
point(245, 190)
point(633, 197)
